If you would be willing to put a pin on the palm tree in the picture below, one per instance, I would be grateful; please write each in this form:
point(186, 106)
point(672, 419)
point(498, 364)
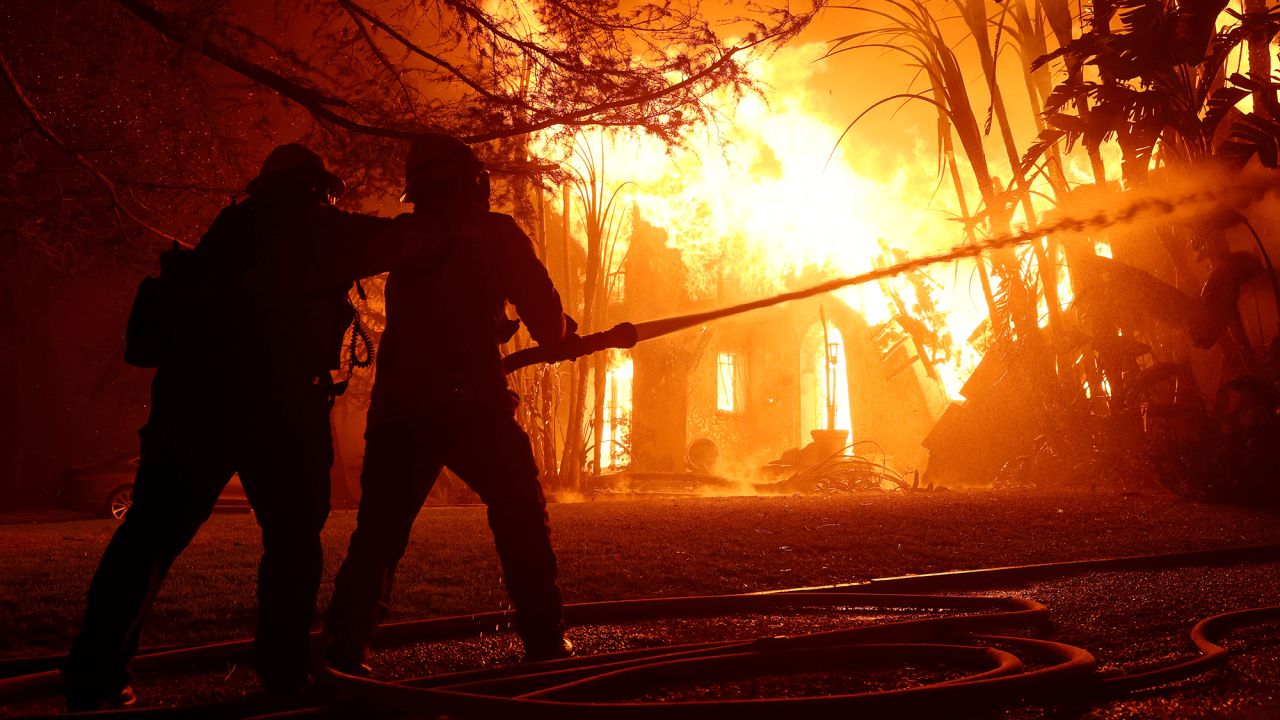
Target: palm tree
point(602, 223)
point(1158, 90)
point(909, 29)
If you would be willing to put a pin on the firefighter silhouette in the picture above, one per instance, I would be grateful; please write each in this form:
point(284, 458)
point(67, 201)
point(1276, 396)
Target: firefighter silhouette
point(441, 399)
point(244, 331)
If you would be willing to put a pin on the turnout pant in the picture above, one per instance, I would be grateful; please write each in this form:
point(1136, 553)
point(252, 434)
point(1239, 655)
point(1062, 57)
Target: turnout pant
point(491, 453)
point(283, 452)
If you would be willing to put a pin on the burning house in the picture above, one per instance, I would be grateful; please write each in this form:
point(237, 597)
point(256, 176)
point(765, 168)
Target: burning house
point(732, 397)
point(763, 205)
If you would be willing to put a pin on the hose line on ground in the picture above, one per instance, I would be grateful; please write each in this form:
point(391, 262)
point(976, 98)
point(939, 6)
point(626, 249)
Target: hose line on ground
point(965, 634)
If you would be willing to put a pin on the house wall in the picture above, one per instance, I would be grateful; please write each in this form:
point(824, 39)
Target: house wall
point(769, 420)
point(654, 288)
point(892, 402)
point(660, 405)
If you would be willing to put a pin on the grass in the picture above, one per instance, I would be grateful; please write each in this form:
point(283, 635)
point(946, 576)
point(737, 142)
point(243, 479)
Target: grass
point(615, 550)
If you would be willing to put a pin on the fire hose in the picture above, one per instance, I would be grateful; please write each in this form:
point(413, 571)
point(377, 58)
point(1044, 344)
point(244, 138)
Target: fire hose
point(997, 669)
point(625, 335)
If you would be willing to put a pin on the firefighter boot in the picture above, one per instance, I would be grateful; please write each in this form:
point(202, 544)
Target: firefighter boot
point(552, 648)
point(87, 702)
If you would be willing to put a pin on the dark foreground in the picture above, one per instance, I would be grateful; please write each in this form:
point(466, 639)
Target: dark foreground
point(616, 550)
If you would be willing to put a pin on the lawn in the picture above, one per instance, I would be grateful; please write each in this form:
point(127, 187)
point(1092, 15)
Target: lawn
point(615, 549)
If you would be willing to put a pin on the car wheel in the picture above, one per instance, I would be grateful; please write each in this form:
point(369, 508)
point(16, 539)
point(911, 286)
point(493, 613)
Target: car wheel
point(119, 502)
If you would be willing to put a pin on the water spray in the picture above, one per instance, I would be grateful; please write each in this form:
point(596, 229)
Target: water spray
point(625, 335)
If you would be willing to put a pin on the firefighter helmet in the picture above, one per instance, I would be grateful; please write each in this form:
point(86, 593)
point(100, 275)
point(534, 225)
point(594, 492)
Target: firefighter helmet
point(434, 157)
point(295, 161)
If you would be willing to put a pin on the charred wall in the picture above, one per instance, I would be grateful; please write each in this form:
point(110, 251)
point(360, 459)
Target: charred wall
point(766, 418)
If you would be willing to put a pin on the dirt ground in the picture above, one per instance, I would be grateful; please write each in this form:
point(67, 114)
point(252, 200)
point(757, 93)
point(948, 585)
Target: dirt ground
point(617, 550)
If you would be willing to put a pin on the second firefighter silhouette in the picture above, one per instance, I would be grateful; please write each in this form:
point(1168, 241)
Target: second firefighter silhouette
point(441, 400)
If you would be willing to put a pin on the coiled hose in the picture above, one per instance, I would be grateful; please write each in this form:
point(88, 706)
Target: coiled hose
point(962, 632)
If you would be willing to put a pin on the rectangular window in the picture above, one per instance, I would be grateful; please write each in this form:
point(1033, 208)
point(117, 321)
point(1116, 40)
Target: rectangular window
point(729, 385)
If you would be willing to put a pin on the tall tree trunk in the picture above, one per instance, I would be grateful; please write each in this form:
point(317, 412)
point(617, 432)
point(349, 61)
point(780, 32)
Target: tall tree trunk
point(571, 459)
point(600, 379)
point(1039, 86)
point(975, 153)
point(976, 17)
point(1264, 96)
point(592, 308)
point(948, 149)
point(547, 389)
point(575, 438)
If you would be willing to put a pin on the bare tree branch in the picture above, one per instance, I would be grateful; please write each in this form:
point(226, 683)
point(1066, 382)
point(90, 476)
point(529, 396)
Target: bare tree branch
point(38, 121)
point(584, 116)
point(316, 102)
point(487, 23)
point(607, 89)
point(16, 136)
point(384, 61)
point(452, 69)
point(179, 187)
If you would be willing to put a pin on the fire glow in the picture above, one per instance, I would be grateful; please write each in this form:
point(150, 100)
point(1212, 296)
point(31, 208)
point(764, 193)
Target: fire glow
point(776, 194)
point(765, 199)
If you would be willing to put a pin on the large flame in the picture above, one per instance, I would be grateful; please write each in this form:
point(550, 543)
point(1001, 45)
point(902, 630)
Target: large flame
point(765, 195)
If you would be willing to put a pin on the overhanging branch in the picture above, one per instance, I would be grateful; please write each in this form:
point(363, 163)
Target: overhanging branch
point(322, 106)
point(43, 127)
point(581, 117)
point(358, 11)
point(317, 103)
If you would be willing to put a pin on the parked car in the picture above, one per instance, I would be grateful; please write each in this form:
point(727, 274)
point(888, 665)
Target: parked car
point(106, 488)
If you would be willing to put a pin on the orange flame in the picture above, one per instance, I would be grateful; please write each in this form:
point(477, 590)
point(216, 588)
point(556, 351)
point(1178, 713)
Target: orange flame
point(765, 195)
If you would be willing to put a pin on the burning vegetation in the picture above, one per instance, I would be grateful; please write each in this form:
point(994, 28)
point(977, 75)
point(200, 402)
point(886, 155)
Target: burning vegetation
point(1122, 332)
point(1056, 221)
point(895, 246)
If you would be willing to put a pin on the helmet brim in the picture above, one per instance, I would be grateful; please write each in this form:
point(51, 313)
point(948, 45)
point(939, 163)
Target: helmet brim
point(331, 184)
point(334, 185)
point(428, 175)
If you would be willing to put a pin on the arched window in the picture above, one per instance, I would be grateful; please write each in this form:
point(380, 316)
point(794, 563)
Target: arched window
point(824, 376)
